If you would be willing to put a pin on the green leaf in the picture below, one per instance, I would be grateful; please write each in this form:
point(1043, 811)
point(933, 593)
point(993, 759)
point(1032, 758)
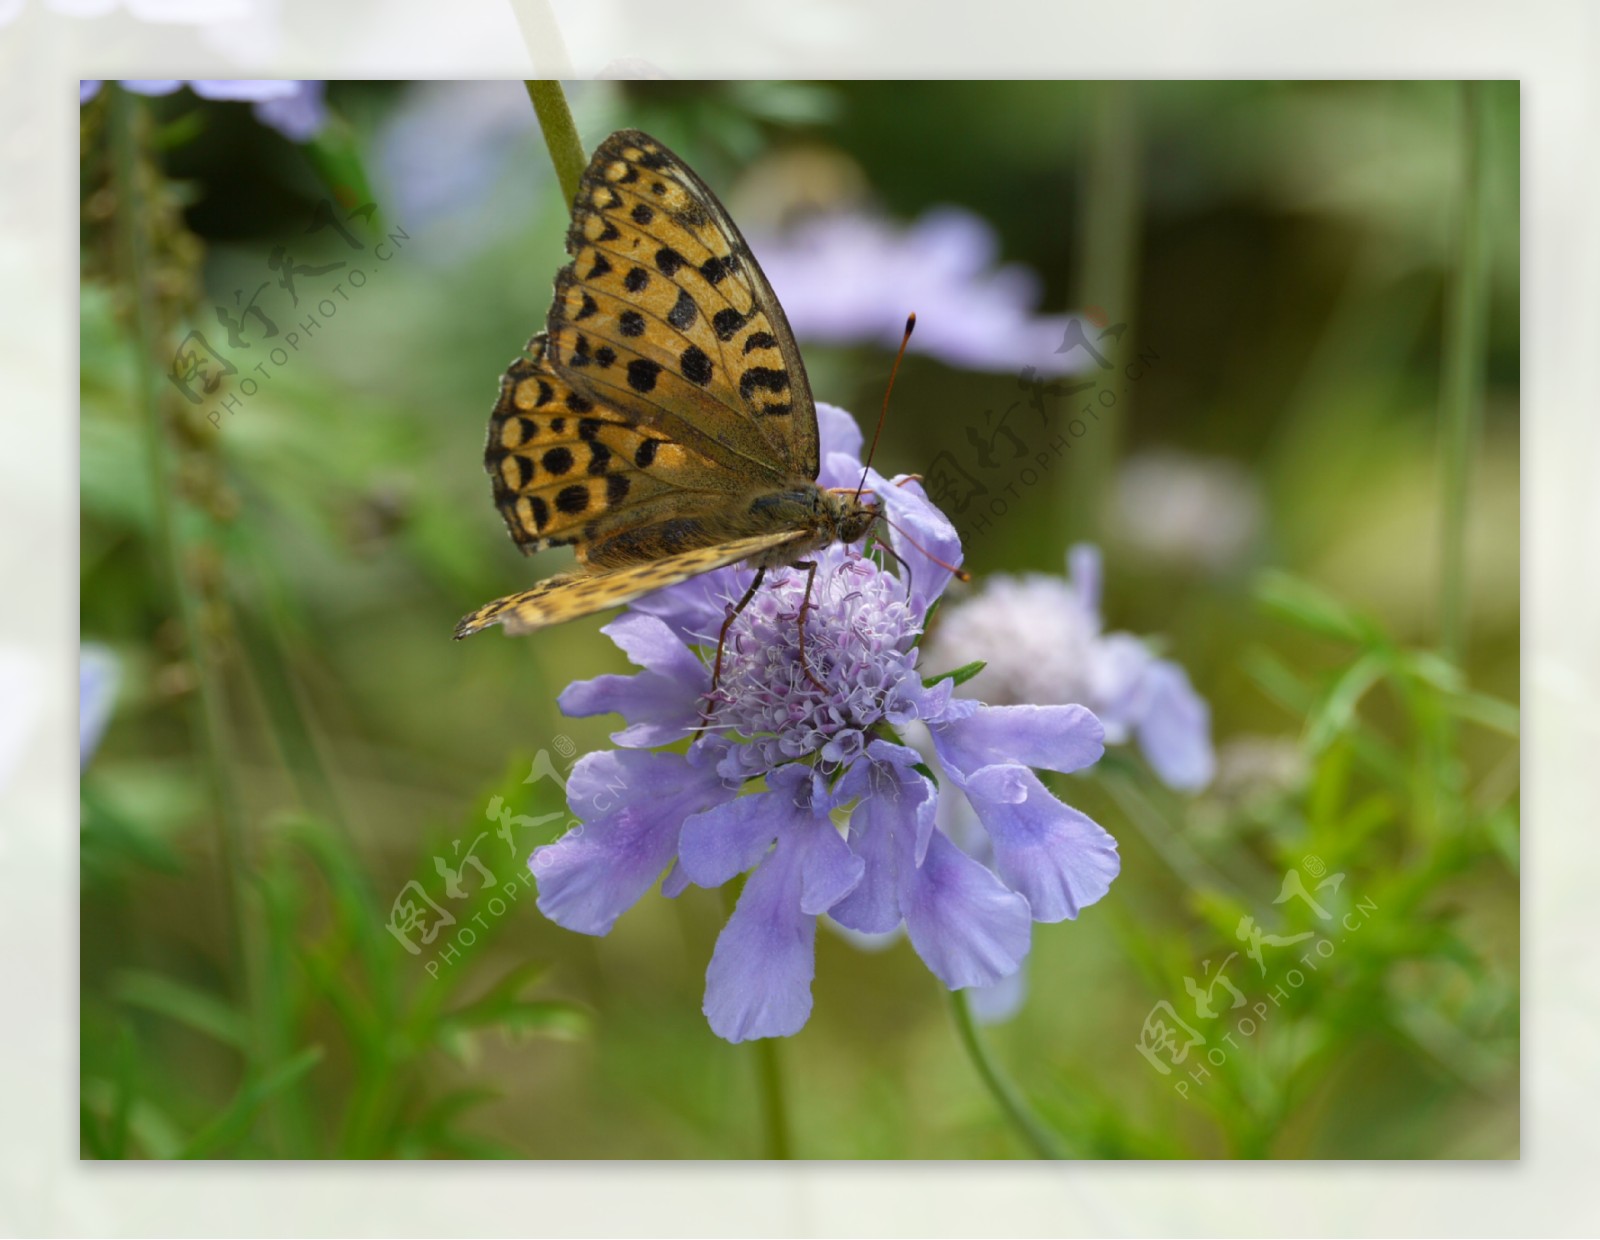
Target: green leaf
point(201, 1012)
point(1338, 709)
point(336, 157)
point(961, 674)
point(1304, 605)
point(922, 768)
point(1485, 711)
point(234, 1121)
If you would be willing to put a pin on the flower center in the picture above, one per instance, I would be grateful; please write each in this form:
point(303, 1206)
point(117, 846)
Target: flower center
point(858, 646)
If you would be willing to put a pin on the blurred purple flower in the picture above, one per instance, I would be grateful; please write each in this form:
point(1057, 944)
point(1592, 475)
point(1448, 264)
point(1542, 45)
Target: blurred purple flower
point(1041, 639)
point(459, 162)
point(98, 674)
point(296, 109)
point(846, 278)
point(821, 749)
point(1183, 510)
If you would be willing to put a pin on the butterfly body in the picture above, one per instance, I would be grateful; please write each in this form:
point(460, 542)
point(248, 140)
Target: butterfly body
point(662, 425)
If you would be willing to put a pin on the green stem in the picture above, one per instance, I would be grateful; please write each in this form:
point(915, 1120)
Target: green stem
point(775, 1103)
point(1108, 245)
point(1461, 394)
point(1040, 1139)
point(560, 135)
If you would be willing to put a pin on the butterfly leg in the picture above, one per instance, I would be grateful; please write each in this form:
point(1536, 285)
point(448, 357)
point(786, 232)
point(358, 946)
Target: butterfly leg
point(805, 606)
point(722, 637)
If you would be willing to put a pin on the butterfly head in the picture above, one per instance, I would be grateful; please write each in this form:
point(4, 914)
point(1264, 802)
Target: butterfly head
point(849, 517)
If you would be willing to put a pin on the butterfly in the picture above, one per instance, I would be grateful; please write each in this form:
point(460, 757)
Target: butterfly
point(662, 424)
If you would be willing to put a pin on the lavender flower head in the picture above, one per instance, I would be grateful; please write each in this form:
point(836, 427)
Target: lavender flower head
point(1042, 639)
point(847, 277)
point(757, 790)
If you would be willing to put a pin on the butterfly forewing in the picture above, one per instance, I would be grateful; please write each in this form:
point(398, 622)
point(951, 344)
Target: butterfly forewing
point(572, 595)
point(663, 311)
point(662, 425)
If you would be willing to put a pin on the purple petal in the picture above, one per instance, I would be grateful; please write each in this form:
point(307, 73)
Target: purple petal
point(631, 805)
point(967, 927)
point(1083, 570)
point(88, 88)
point(729, 839)
point(1118, 678)
point(896, 804)
point(838, 431)
point(1056, 738)
point(907, 506)
point(244, 90)
point(662, 703)
point(758, 984)
point(298, 116)
point(151, 86)
point(1059, 859)
point(830, 871)
point(1175, 729)
point(996, 1004)
point(695, 609)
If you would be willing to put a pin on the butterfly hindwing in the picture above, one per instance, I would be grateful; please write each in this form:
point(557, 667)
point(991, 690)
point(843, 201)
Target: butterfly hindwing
point(571, 595)
point(664, 313)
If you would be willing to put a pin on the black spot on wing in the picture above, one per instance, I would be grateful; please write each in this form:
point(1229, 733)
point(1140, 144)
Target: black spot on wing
point(669, 261)
point(630, 323)
point(642, 374)
point(767, 378)
point(557, 461)
point(645, 453)
point(726, 323)
point(573, 500)
point(616, 488)
point(683, 312)
point(696, 366)
point(637, 280)
point(760, 340)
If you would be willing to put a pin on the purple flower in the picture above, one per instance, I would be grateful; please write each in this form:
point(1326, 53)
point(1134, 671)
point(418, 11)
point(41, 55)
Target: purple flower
point(846, 278)
point(1041, 640)
point(294, 108)
point(758, 788)
point(98, 674)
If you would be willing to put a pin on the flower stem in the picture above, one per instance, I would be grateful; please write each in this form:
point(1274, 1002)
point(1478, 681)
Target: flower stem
point(560, 134)
point(1041, 1140)
point(1461, 395)
point(1108, 246)
point(774, 1100)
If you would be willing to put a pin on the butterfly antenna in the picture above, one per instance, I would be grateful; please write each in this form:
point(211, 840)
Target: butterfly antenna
point(960, 574)
point(911, 323)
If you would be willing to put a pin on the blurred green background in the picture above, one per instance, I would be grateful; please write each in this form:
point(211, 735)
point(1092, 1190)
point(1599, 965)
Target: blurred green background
point(295, 736)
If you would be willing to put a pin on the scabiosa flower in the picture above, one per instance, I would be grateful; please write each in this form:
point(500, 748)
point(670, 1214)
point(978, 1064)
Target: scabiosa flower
point(758, 788)
point(1041, 639)
point(294, 108)
point(846, 277)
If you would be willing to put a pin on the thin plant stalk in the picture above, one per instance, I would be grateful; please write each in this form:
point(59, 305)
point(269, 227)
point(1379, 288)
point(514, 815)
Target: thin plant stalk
point(560, 134)
point(1108, 248)
point(1461, 387)
point(774, 1099)
point(1028, 1126)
